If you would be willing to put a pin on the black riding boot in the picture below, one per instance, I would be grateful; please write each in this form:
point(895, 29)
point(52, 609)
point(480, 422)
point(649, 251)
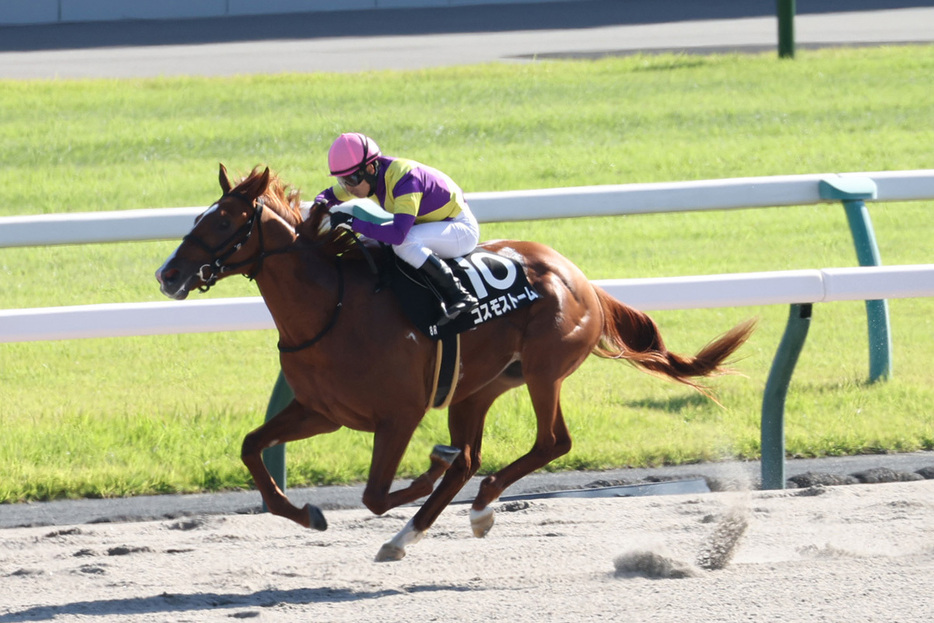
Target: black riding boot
point(454, 298)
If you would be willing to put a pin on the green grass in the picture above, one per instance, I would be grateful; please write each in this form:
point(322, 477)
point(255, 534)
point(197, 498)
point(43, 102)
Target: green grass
point(110, 417)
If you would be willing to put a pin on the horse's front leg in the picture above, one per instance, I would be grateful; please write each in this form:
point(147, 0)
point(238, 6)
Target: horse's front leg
point(442, 457)
point(292, 423)
point(388, 449)
point(390, 440)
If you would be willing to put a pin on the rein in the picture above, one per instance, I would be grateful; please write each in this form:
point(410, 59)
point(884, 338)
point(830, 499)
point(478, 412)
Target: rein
point(218, 266)
point(331, 322)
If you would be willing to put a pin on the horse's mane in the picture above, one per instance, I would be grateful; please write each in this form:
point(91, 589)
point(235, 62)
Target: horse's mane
point(279, 196)
point(286, 201)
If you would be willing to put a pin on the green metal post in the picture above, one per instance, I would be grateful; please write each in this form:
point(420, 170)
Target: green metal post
point(773, 400)
point(853, 191)
point(786, 28)
point(877, 311)
point(274, 457)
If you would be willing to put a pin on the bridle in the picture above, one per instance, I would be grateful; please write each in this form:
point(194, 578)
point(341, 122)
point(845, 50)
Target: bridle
point(218, 265)
point(211, 271)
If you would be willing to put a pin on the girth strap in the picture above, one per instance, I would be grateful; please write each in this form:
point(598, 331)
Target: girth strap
point(447, 371)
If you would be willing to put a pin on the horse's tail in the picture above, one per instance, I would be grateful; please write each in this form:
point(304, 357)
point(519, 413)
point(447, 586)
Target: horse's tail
point(632, 335)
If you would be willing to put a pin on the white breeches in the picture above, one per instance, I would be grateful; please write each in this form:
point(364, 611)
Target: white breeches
point(446, 239)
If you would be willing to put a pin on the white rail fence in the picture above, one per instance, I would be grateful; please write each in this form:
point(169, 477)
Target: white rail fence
point(250, 313)
point(725, 194)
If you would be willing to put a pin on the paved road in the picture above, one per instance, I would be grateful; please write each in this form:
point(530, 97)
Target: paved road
point(349, 41)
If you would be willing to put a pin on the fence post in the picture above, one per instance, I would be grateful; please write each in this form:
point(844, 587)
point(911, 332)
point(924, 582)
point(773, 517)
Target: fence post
point(786, 28)
point(772, 430)
point(274, 458)
point(877, 312)
point(852, 191)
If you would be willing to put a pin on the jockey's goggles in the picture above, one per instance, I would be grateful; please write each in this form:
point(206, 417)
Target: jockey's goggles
point(353, 179)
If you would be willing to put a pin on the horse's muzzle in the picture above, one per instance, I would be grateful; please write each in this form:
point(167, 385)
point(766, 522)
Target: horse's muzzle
point(171, 283)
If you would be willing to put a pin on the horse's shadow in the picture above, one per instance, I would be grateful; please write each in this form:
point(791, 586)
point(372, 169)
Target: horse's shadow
point(671, 404)
point(175, 602)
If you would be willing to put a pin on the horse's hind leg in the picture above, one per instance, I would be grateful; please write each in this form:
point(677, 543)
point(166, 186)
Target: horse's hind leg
point(465, 422)
point(292, 423)
point(552, 441)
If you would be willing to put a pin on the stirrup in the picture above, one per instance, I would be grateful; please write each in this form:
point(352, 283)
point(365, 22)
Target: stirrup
point(464, 305)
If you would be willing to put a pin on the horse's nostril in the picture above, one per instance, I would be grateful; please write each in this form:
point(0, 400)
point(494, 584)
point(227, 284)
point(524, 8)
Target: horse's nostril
point(169, 276)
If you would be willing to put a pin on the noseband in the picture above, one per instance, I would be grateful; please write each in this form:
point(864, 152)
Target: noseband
point(210, 272)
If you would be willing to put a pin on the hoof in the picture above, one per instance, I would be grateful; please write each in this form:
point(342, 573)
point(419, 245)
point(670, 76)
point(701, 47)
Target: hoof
point(481, 521)
point(316, 518)
point(447, 454)
point(390, 553)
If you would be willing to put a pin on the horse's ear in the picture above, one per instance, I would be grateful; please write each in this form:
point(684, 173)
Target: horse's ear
point(263, 182)
point(223, 179)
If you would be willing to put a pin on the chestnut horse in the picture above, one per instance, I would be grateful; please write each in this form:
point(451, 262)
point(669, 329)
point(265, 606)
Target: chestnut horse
point(352, 359)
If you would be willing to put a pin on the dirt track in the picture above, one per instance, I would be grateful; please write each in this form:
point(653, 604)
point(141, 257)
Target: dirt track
point(855, 553)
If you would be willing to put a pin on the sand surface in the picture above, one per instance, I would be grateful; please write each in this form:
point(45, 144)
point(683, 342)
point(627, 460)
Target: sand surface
point(847, 553)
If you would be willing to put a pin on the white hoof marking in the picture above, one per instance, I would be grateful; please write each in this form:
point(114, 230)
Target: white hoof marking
point(394, 549)
point(481, 521)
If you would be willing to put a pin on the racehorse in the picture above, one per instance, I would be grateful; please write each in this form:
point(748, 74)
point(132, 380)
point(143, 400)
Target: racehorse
point(353, 359)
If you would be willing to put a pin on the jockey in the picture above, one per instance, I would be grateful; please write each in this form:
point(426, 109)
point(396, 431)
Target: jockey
point(431, 219)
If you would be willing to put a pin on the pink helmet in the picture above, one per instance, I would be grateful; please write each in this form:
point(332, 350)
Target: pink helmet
point(350, 152)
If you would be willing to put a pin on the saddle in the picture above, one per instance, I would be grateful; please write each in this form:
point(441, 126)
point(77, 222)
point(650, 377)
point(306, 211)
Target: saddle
point(499, 283)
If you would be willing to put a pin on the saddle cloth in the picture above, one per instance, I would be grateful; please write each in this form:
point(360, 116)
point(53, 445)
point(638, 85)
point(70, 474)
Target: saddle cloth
point(498, 282)
point(500, 285)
